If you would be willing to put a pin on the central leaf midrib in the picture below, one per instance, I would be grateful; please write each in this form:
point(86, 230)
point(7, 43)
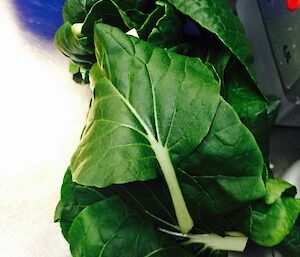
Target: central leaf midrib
point(164, 159)
point(149, 136)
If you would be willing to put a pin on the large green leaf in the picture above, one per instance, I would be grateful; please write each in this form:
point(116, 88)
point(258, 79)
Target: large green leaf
point(150, 199)
point(110, 228)
point(150, 105)
point(218, 17)
point(152, 202)
point(142, 94)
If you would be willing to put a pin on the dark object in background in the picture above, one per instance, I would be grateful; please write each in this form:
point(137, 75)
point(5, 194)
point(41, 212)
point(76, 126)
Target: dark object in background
point(41, 17)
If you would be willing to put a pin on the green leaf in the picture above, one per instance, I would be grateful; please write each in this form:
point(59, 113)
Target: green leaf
point(290, 246)
point(137, 17)
point(276, 188)
point(219, 57)
point(147, 25)
point(141, 5)
point(218, 17)
point(79, 49)
point(150, 105)
point(253, 109)
point(74, 198)
point(168, 30)
point(150, 198)
point(110, 228)
point(75, 10)
point(225, 171)
point(267, 225)
point(108, 12)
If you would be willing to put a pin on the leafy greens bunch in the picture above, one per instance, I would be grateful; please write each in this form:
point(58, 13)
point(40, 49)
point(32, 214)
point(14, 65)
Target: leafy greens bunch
point(173, 159)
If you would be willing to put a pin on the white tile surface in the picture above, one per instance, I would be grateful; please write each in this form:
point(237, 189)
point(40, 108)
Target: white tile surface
point(42, 114)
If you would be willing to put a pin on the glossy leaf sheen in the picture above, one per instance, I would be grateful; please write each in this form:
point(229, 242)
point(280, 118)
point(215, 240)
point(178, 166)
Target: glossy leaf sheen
point(110, 228)
point(141, 91)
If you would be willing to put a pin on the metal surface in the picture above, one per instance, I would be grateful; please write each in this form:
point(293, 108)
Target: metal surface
point(283, 30)
point(274, 34)
point(43, 112)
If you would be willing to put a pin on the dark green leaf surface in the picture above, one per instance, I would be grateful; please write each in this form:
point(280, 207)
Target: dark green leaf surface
point(219, 57)
point(141, 92)
point(74, 11)
point(225, 171)
point(110, 228)
point(168, 30)
point(108, 12)
point(251, 106)
point(74, 198)
point(218, 17)
point(141, 5)
point(79, 49)
point(152, 200)
point(267, 225)
point(290, 246)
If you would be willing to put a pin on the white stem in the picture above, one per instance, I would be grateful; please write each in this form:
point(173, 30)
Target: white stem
point(183, 216)
point(76, 29)
point(233, 241)
point(236, 243)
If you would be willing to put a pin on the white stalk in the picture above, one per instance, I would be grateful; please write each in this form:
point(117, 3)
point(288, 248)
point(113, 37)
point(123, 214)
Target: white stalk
point(76, 29)
point(233, 241)
point(185, 222)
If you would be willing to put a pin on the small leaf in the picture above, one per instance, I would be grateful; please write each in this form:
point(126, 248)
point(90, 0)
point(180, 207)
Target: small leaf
point(108, 12)
point(79, 49)
point(267, 225)
point(168, 30)
point(276, 188)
